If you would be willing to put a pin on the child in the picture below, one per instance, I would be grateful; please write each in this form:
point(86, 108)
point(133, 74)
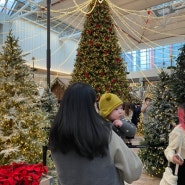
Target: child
point(110, 107)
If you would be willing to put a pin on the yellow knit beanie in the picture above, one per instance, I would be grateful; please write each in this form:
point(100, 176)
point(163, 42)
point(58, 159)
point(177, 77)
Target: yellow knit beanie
point(108, 102)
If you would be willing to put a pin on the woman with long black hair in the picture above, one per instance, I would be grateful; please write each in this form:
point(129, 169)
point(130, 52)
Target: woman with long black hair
point(83, 146)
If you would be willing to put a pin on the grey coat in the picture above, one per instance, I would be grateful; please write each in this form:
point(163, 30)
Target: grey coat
point(120, 165)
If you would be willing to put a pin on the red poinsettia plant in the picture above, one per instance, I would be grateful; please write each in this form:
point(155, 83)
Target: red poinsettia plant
point(22, 174)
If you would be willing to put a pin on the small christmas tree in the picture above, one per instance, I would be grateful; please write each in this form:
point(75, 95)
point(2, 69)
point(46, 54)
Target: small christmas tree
point(21, 133)
point(162, 118)
point(178, 78)
point(98, 60)
point(49, 104)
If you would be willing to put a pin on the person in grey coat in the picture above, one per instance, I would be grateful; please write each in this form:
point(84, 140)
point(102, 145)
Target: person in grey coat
point(84, 149)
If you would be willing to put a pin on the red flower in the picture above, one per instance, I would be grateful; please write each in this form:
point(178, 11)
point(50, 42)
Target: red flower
point(102, 74)
point(110, 29)
point(105, 52)
point(89, 32)
point(149, 12)
point(114, 80)
point(117, 60)
point(91, 42)
point(22, 173)
point(86, 75)
point(98, 25)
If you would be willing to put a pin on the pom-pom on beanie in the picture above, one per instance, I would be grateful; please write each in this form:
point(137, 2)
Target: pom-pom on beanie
point(108, 102)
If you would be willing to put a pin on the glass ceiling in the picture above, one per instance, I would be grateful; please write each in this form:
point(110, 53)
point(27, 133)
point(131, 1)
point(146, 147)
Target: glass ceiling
point(168, 7)
point(12, 6)
point(8, 6)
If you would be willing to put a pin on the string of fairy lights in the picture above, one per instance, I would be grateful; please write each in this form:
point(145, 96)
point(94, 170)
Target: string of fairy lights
point(131, 31)
point(131, 41)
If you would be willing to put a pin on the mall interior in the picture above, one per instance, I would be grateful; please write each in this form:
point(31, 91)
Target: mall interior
point(150, 35)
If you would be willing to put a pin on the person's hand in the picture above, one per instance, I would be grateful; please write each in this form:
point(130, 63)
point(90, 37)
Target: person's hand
point(118, 123)
point(177, 160)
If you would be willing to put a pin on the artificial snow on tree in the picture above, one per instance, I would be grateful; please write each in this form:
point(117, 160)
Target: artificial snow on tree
point(162, 119)
point(22, 120)
point(178, 78)
point(49, 104)
point(98, 60)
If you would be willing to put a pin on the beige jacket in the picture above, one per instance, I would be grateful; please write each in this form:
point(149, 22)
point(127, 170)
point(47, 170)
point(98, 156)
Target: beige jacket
point(127, 163)
point(174, 140)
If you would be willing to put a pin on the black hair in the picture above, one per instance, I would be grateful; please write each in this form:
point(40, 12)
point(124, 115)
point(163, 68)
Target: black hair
point(77, 125)
point(147, 98)
point(127, 108)
point(132, 106)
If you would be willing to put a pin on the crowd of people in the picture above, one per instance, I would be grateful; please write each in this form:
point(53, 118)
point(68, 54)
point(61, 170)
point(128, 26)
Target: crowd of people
point(89, 141)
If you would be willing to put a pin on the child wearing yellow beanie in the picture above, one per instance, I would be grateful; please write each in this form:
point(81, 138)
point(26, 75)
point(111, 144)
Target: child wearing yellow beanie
point(110, 107)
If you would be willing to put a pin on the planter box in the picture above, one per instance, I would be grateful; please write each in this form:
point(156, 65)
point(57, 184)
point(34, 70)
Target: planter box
point(47, 180)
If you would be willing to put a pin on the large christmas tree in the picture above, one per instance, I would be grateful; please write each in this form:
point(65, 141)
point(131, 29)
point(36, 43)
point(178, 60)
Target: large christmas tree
point(178, 78)
point(162, 119)
point(98, 60)
point(21, 123)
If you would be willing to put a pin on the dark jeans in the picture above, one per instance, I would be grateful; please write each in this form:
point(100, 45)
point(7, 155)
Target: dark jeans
point(181, 173)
